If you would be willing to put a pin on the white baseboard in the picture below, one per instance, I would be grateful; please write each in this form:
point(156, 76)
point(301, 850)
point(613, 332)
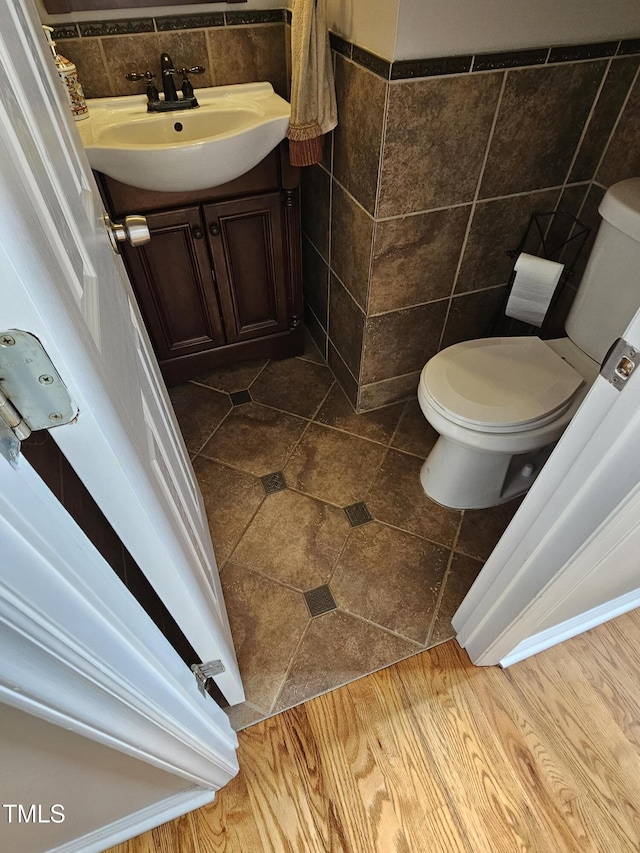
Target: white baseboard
point(572, 627)
point(138, 822)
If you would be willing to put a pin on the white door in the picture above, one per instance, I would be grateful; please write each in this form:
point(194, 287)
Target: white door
point(61, 281)
point(568, 560)
point(80, 652)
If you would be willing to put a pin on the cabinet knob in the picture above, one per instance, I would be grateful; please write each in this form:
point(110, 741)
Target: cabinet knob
point(198, 233)
point(214, 230)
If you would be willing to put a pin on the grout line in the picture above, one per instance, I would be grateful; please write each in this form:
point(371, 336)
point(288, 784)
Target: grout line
point(353, 198)
point(445, 579)
point(353, 299)
point(329, 259)
point(310, 309)
point(322, 402)
point(474, 205)
point(338, 558)
point(348, 369)
point(387, 630)
point(297, 444)
point(418, 535)
point(244, 530)
point(452, 295)
point(456, 275)
point(105, 65)
point(615, 126)
point(316, 249)
point(397, 427)
point(210, 57)
point(375, 476)
point(480, 201)
point(588, 122)
point(259, 373)
point(288, 669)
point(208, 438)
point(383, 140)
point(264, 574)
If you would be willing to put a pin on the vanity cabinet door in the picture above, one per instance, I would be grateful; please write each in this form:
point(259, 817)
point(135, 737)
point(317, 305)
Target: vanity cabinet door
point(174, 284)
point(247, 243)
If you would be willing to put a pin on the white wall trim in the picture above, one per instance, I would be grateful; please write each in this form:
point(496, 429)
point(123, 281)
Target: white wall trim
point(138, 822)
point(572, 627)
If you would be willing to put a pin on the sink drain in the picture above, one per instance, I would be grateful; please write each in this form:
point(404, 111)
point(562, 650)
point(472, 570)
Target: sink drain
point(178, 126)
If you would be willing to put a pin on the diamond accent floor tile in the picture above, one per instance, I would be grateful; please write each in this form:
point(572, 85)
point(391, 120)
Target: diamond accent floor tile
point(319, 600)
point(358, 514)
point(238, 398)
point(273, 482)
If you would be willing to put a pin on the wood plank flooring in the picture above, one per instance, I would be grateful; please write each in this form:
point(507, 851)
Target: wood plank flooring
point(433, 754)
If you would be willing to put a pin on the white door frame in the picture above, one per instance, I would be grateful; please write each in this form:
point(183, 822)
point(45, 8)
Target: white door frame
point(80, 652)
point(569, 547)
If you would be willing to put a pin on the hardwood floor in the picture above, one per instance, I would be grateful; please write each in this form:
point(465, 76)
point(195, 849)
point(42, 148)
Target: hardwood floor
point(433, 754)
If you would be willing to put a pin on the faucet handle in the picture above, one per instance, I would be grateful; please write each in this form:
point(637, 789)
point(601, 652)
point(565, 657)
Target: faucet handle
point(142, 75)
point(197, 69)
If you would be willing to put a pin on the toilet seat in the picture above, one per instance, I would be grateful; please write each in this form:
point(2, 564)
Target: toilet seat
point(500, 384)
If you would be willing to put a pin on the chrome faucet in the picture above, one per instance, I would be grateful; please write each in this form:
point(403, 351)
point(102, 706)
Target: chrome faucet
point(172, 100)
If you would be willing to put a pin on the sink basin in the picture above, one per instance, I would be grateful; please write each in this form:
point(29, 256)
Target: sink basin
point(232, 130)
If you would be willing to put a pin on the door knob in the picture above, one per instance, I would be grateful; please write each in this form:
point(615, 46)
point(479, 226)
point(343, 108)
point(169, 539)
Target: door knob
point(134, 230)
point(214, 230)
point(198, 233)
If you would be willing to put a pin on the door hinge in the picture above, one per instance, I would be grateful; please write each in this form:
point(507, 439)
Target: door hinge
point(32, 394)
point(204, 671)
point(619, 363)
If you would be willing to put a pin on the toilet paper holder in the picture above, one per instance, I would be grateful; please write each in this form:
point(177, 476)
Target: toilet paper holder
point(555, 236)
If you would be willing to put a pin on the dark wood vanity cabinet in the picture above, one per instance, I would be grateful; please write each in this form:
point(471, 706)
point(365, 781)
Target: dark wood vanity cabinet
point(220, 280)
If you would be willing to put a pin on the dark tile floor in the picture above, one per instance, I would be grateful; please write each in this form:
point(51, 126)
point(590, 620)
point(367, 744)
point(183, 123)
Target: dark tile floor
point(333, 561)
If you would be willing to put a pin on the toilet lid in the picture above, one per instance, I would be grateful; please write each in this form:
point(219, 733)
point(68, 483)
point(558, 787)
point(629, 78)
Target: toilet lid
point(500, 381)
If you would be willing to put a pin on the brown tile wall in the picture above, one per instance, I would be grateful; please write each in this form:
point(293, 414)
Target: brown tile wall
point(425, 185)
point(230, 54)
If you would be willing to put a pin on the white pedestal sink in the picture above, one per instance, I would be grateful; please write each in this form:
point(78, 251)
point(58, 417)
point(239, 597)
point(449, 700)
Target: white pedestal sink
point(232, 130)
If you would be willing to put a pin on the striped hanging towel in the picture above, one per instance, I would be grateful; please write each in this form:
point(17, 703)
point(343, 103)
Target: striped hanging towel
point(313, 96)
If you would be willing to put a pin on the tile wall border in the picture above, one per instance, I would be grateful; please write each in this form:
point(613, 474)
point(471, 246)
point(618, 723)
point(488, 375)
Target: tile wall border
point(408, 69)
point(404, 69)
point(167, 23)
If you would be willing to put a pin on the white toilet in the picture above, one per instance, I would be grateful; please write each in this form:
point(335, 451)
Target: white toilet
point(500, 404)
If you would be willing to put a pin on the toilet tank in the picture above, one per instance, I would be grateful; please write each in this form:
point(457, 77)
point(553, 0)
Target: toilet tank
point(609, 294)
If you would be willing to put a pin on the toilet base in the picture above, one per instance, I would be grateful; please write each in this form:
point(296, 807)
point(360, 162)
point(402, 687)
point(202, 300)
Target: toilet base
point(462, 477)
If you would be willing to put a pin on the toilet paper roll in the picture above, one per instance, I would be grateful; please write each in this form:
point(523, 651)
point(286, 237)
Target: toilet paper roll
point(533, 287)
